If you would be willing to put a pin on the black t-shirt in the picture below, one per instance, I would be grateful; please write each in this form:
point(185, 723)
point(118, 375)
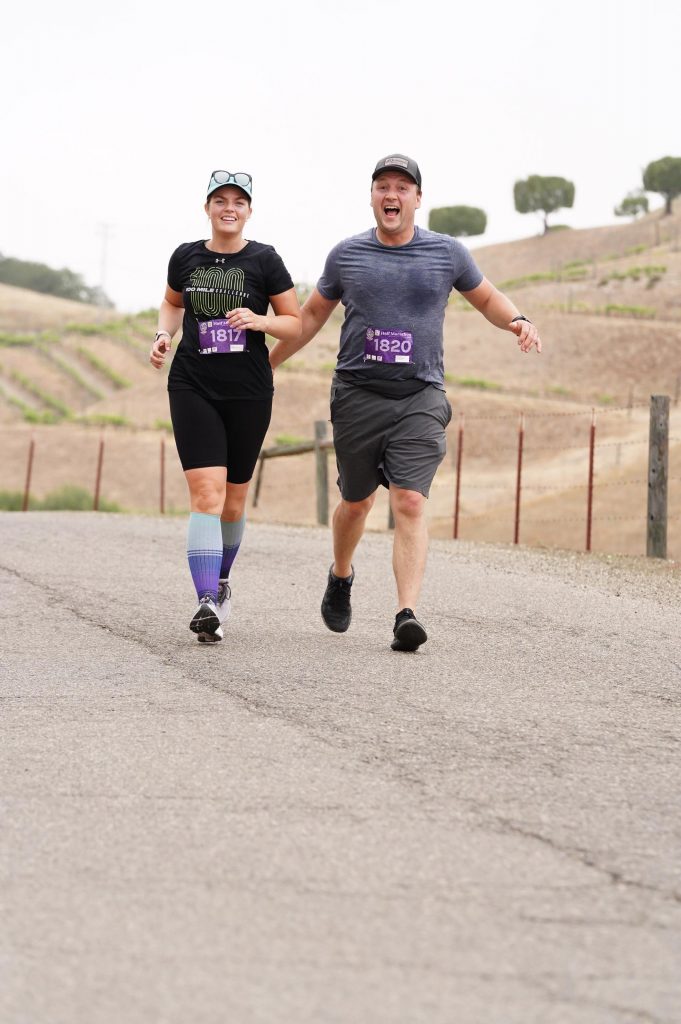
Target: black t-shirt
point(212, 358)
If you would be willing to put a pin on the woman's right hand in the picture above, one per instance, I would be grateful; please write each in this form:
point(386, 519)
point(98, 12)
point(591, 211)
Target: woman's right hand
point(159, 351)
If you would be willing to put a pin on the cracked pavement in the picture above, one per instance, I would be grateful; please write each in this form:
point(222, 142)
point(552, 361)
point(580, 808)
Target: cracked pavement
point(297, 826)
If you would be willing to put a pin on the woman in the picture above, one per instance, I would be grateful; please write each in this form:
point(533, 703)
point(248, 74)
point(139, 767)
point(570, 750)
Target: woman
point(220, 382)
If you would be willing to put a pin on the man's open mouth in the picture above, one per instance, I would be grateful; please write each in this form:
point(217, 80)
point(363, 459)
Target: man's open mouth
point(388, 210)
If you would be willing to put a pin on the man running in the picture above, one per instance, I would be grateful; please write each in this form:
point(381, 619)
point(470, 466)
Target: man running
point(389, 408)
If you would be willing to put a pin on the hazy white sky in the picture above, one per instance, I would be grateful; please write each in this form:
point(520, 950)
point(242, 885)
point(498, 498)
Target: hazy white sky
point(115, 115)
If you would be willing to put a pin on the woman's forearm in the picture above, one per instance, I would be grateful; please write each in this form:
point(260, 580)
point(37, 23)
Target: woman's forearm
point(283, 327)
point(170, 317)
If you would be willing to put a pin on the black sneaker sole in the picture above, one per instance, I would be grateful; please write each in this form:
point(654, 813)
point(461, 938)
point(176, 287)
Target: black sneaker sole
point(337, 625)
point(409, 635)
point(205, 621)
point(208, 638)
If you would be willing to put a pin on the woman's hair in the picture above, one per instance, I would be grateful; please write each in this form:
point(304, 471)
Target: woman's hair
point(243, 193)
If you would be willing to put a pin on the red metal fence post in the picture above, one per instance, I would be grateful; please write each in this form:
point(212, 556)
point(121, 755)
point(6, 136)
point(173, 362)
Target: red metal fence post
point(29, 471)
point(457, 495)
point(98, 477)
point(590, 488)
point(519, 474)
point(162, 497)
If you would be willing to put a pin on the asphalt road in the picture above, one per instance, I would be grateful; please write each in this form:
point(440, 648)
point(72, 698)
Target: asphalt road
point(295, 826)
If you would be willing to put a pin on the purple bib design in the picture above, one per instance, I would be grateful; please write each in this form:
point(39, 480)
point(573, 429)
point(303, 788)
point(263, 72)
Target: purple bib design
point(216, 336)
point(388, 346)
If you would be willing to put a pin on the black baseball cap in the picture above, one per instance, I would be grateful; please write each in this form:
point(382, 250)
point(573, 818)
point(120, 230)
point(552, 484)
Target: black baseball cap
point(398, 162)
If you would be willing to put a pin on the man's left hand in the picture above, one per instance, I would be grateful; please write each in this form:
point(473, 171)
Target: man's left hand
point(527, 335)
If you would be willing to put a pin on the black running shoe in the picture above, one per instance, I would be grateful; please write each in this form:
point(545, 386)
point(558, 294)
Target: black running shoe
point(206, 622)
point(408, 631)
point(336, 610)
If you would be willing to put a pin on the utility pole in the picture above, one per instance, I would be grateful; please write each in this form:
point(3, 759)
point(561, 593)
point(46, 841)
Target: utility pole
point(104, 232)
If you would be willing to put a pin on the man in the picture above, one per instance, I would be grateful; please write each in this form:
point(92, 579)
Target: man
point(389, 408)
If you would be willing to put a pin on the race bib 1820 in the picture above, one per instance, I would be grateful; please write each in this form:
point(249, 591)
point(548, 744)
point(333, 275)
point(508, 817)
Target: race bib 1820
point(388, 346)
point(216, 336)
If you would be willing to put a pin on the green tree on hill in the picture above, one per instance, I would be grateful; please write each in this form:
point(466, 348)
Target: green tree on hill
point(664, 176)
point(459, 221)
point(545, 194)
point(632, 204)
point(38, 277)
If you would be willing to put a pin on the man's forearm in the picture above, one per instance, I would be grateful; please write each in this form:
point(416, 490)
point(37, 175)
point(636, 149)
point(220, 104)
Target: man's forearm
point(283, 350)
point(499, 309)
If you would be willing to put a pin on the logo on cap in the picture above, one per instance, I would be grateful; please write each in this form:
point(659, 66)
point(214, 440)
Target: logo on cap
point(392, 160)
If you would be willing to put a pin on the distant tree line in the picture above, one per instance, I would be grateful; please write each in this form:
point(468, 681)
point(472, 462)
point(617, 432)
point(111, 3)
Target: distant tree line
point(545, 195)
point(41, 278)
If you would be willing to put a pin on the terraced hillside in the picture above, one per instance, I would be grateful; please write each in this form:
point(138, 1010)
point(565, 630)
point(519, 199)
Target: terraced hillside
point(608, 301)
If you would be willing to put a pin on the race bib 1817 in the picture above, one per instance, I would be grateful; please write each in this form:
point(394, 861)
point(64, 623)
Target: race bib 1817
point(216, 336)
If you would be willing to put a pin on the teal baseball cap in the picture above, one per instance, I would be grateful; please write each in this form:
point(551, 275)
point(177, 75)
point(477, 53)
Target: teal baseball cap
point(239, 178)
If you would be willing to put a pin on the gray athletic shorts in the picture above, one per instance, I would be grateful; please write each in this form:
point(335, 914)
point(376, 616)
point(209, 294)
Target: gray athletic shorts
point(380, 440)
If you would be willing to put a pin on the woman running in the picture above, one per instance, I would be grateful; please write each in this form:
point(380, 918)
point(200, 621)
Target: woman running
point(220, 382)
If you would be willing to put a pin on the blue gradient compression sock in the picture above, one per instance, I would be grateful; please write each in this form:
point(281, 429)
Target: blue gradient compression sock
point(232, 535)
point(204, 552)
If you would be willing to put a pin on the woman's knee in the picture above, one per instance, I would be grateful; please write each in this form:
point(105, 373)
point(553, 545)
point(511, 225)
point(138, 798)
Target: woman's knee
point(207, 491)
point(234, 505)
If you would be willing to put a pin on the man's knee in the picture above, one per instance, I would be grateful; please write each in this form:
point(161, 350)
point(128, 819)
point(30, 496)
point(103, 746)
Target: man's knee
point(410, 504)
point(355, 510)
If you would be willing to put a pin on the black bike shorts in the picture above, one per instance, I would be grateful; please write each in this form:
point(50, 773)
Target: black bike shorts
point(225, 433)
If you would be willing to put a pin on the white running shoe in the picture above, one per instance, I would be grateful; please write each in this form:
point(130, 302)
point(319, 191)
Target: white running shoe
point(224, 605)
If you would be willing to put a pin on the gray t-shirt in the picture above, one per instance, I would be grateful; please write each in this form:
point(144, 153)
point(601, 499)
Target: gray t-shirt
point(395, 299)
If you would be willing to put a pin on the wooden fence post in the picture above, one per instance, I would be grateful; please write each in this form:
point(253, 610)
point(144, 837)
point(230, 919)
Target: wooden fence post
point(322, 473)
point(658, 474)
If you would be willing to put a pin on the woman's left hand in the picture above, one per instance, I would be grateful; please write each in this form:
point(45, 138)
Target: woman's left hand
point(244, 319)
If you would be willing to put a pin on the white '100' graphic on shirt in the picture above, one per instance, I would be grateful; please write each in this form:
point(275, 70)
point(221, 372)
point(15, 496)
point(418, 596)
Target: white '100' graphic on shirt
point(215, 291)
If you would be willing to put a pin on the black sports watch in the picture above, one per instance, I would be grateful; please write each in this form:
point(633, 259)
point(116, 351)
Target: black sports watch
point(520, 317)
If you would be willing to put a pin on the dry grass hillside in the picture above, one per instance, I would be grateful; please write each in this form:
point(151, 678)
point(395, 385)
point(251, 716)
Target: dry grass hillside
point(608, 301)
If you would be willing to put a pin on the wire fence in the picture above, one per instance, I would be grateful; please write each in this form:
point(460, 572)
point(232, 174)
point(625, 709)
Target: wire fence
point(575, 478)
point(537, 477)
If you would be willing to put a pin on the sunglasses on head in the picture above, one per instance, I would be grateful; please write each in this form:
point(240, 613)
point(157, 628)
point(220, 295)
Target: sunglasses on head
point(239, 178)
